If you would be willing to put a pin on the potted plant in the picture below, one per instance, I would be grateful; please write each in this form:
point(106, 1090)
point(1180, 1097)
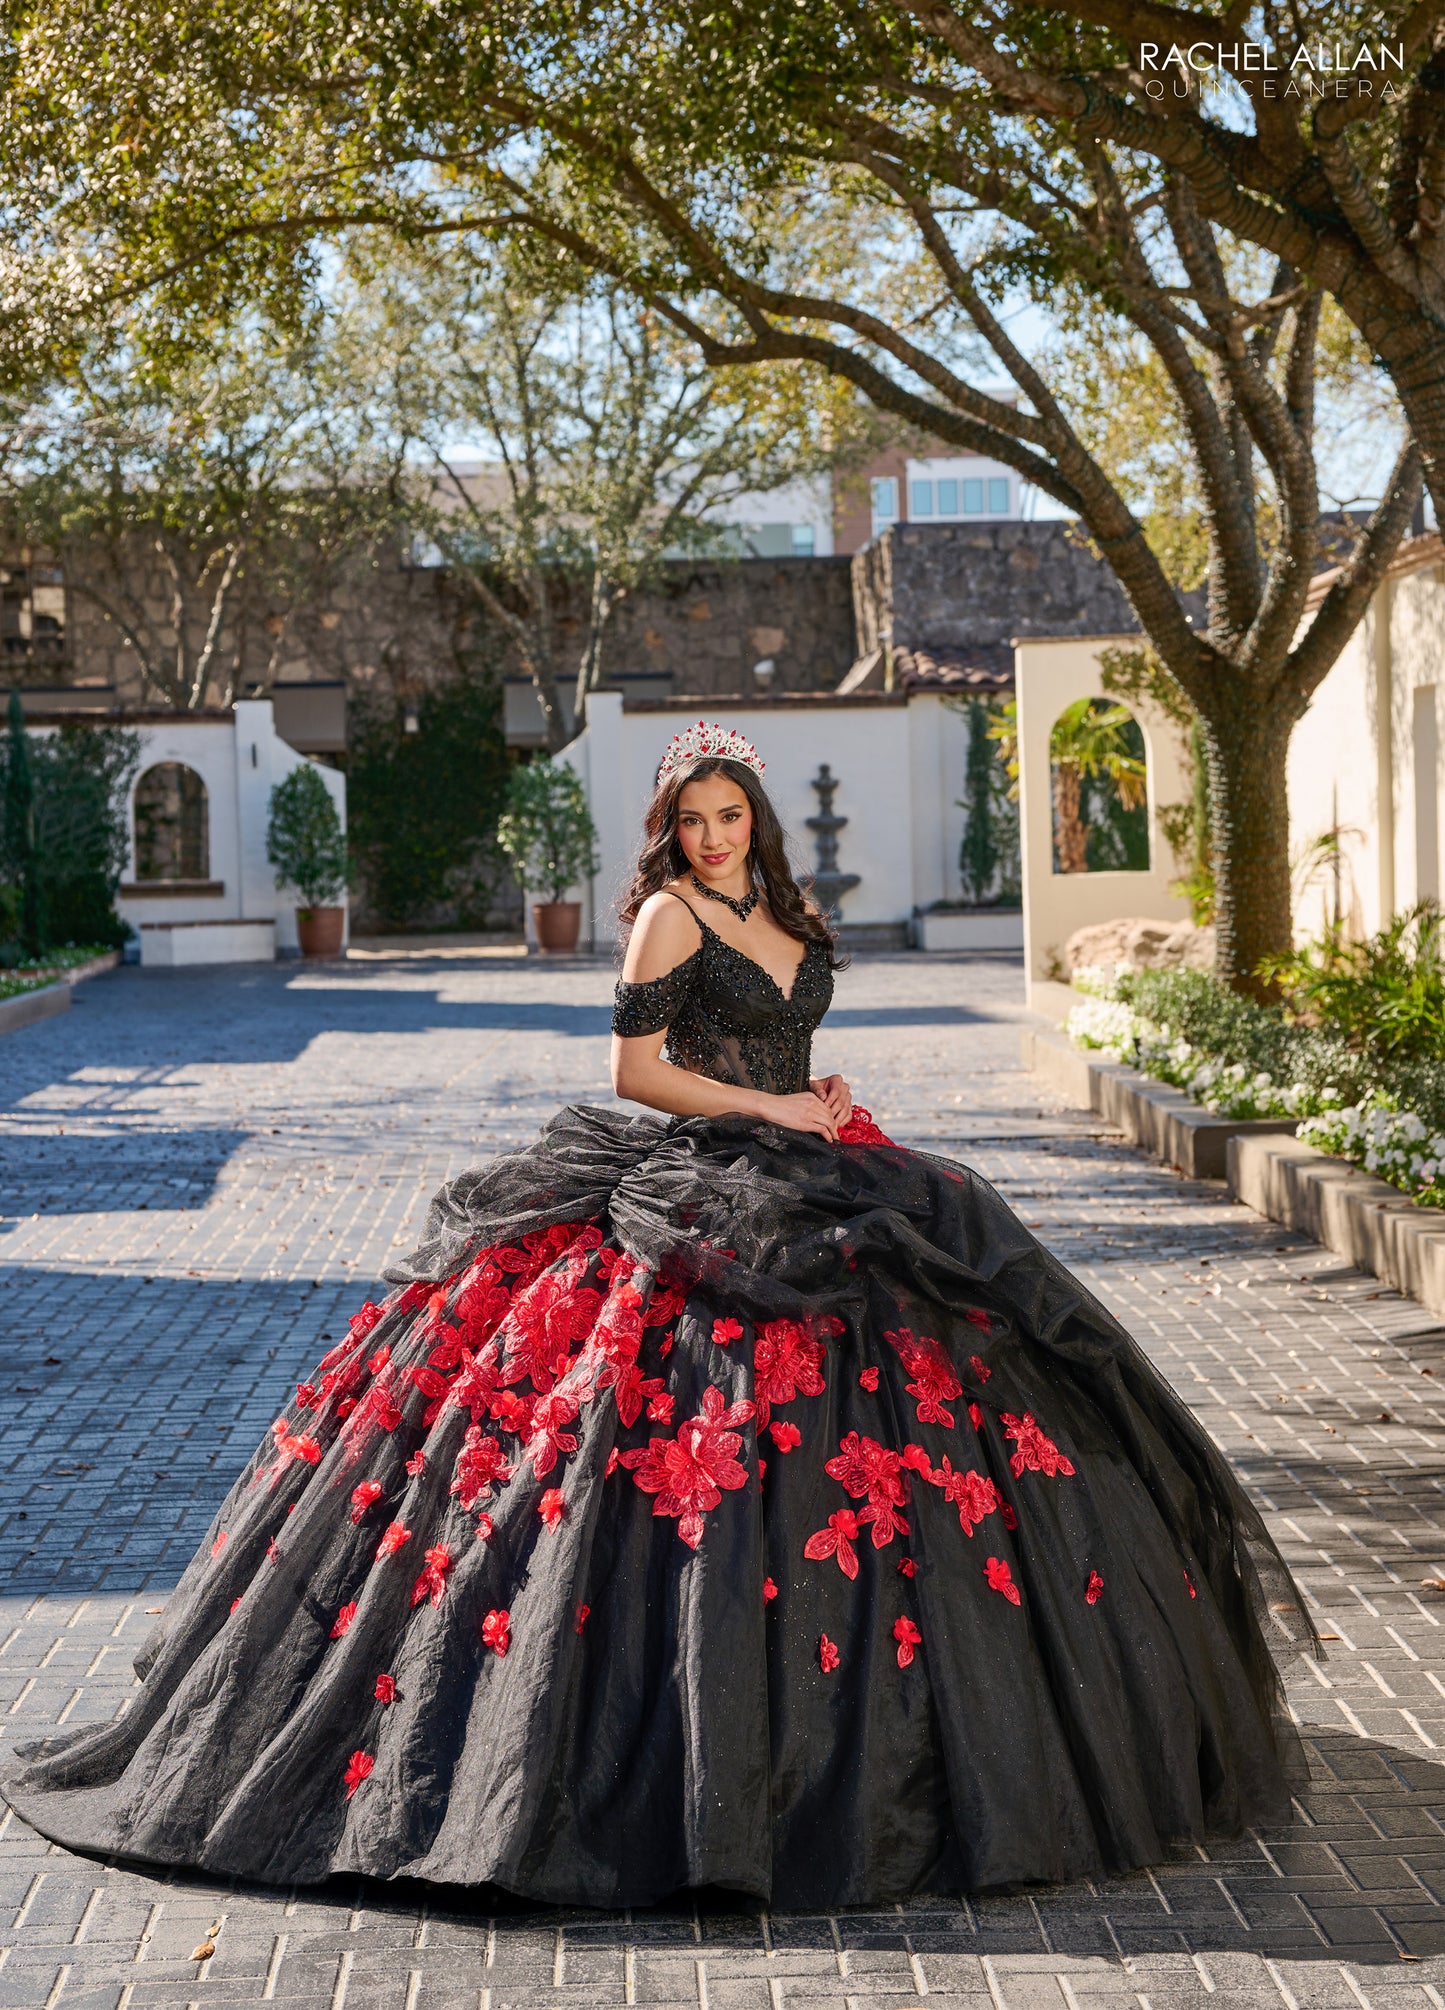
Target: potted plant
point(548, 834)
point(307, 847)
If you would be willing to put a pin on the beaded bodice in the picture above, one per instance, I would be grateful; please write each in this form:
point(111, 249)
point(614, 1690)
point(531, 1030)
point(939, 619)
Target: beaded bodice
point(728, 1019)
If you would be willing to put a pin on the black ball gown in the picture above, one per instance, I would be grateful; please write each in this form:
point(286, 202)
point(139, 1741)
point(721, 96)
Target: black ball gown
point(710, 1505)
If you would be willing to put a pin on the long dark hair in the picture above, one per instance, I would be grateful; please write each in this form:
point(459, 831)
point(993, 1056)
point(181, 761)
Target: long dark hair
point(661, 857)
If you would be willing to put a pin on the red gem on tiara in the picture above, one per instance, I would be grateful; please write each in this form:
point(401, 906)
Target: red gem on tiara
point(721, 742)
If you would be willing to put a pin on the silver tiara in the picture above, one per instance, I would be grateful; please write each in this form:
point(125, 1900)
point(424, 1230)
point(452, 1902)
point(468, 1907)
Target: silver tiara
point(721, 743)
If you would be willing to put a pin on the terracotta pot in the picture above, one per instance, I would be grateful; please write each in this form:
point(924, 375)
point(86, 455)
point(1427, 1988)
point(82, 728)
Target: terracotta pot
point(320, 930)
point(558, 924)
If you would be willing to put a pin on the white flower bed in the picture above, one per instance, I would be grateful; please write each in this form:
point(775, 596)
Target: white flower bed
point(1104, 1021)
point(1393, 1144)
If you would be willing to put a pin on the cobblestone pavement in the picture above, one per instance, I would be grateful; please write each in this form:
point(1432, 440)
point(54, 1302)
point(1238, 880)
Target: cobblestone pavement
point(202, 1172)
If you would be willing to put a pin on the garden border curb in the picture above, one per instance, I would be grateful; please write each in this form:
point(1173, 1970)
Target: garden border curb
point(28, 1008)
point(1161, 1119)
point(1361, 1218)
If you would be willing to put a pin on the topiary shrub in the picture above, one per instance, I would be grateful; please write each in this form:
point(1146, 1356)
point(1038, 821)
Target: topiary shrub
point(304, 839)
point(547, 831)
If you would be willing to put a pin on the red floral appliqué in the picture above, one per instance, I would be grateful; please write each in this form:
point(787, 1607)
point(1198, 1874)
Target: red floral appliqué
point(787, 1362)
point(1000, 1578)
point(497, 1631)
point(1094, 1589)
point(358, 1766)
point(836, 1539)
point(220, 1543)
point(860, 1129)
point(583, 1613)
point(725, 1331)
point(551, 1507)
point(770, 1591)
point(972, 1493)
point(907, 1567)
point(787, 1437)
point(933, 1381)
point(980, 1367)
point(863, 1466)
point(827, 1654)
point(393, 1536)
point(432, 1582)
point(1036, 1453)
point(364, 1497)
point(690, 1473)
point(416, 1464)
point(343, 1619)
point(1190, 1582)
point(868, 1379)
point(479, 1464)
point(908, 1637)
point(385, 1691)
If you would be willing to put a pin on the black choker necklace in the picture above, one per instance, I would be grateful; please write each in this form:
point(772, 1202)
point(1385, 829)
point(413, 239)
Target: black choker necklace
point(741, 908)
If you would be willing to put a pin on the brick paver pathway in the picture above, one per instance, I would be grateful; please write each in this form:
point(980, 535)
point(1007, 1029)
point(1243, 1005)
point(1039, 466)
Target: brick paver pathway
point(202, 1173)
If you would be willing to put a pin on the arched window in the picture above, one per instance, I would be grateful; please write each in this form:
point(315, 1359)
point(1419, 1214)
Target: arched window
point(172, 826)
point(1100, 786)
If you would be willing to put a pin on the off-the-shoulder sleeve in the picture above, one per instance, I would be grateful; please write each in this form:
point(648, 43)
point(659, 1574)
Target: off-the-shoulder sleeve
point(648, 1008)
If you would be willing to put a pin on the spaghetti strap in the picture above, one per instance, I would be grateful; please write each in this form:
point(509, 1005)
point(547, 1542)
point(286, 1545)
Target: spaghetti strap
point(691, 910)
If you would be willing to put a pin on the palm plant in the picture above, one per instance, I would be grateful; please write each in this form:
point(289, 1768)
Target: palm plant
point(1092, 741)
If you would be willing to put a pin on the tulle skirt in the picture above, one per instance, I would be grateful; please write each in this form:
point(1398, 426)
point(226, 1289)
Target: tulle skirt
point(709, 1505)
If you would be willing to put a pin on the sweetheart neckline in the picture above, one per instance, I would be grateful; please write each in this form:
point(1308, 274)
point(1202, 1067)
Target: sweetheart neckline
point(786, 996)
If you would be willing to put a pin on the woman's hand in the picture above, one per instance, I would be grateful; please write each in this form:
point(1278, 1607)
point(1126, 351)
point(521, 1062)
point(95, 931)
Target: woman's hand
point(803, 1112)
point(834, 1091)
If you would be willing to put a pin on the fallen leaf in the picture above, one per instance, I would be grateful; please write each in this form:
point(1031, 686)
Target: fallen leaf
point(204, 1952)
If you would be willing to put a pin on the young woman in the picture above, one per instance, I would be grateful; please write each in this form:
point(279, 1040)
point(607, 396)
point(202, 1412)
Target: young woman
point(739, 1500)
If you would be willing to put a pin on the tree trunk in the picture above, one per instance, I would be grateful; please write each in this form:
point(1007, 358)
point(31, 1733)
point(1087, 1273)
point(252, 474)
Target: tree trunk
point(1250, 806)
point(1071, 833)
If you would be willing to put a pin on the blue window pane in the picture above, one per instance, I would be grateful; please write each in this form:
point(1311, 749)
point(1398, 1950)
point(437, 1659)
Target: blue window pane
point(803, 540)
point(973, 498)
point(920, 499)
point(998, 493)
point(948, 498)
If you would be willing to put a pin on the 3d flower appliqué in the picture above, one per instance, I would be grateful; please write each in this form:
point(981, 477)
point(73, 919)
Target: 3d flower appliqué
point(393, 1537)
point(358, 1768)
point(725, 1331)
point(932, 1381)
point(551, 1507)
point(787, 1362)
point(1094, 1589)
point(343, 1619)
point(980, 1367)
point(480, 1465)
point(827, 1654)
point(363, 1497)
point(1000, 1579)
point(690, 1473)
point(385, 1690)
point(432, 1582)
point(908, 1637)
point(785, 1436)
point(497, 1631)
point(837, 1539)
point(770, 1591)
point(972, 1493)
point(1036, 1453)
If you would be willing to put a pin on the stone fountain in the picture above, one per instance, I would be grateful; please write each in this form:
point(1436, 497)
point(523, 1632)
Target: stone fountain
point(828, 885)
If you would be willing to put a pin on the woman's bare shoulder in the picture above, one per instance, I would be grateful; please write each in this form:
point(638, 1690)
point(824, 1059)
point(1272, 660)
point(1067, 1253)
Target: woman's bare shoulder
point(664, 935)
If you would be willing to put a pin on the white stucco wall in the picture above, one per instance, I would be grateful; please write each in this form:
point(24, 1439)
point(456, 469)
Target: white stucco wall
point(240, 758)
point(899, 767)
point(1366, 759)
point(1049, 676)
